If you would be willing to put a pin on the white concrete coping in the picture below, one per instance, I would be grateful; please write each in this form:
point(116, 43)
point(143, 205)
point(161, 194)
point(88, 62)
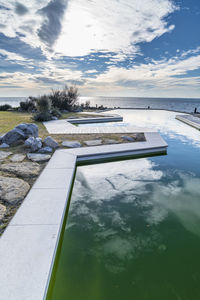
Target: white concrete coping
point(190, 120)
point(29, 244)
point(66, 126)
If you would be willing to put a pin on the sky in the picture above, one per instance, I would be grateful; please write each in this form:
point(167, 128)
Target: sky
point(148, 48)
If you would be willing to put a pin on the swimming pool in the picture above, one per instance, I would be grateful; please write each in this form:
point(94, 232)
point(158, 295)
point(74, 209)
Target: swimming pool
point(133, 227)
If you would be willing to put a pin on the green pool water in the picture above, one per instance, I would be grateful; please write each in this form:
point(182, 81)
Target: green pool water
point(133, 227)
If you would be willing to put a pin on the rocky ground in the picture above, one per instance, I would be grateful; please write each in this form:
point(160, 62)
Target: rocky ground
point(23, 155)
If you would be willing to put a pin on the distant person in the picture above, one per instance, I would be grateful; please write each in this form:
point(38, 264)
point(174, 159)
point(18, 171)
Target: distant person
point(148, 107)
point(195, 110)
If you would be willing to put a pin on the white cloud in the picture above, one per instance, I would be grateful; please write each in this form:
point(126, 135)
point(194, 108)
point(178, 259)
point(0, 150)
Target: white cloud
point(88, 26)
point(112, 25)
point(156, 76)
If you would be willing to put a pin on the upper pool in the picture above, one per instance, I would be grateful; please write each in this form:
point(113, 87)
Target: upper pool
point(133, 227)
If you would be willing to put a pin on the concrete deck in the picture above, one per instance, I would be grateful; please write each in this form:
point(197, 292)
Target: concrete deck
point(66, 127)
point(190, 120)
point(29, 244)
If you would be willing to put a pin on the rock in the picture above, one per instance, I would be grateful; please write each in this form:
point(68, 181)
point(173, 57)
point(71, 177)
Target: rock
point(64, 111)
point(14, 137)
point(4, 145)
point(128, 138)
point(38, 157)
point(140, 137)
point(24, 169)
point(28, 129)
point(110, 141)
point(93, 142)
point(50, 142)
point(54, 118)
point(4, 154)
point(2, 212)
point(17, 157)
point(20, 133)
point(13, 190)
point(71, 144)
point(45, 150)
point(33, 143)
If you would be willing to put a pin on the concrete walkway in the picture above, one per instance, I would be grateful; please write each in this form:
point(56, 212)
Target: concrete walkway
point(66, 127)
point(29, 244)
point(190, 120)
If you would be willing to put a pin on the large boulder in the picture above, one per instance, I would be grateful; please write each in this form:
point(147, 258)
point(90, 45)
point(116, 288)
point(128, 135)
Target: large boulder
point(24, 169)
point(21, 132)
point(14, 137)
point(13, 190)
point(34, 143)
point(28, 129)
point(50, 142)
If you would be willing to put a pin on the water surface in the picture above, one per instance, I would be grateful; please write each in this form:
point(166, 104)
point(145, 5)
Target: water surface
point(133, 229)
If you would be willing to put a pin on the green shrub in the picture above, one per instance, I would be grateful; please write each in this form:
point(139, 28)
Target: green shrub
point(56, 113)
point(5, 107)
point(66, 99)
point(42, 116)
point(28, 105)
point(43, 104)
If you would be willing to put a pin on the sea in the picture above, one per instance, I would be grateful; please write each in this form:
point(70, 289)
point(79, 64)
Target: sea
point(174, 104)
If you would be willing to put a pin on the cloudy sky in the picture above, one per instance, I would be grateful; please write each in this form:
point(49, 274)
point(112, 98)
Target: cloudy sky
point(105, 47)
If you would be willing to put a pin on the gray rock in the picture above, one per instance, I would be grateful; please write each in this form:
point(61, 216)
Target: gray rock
point(45, 150)
point(93, 142)
point(33, 143)
point(21, 132)
point(110, 141)
point(71, 144)
point(2, 212)
point(13, 190)
point(50, 142)
point(54, 118)
point(24, 169)
point(4, 145)
point(14, 137)
point(128, 138)
point(17, 157)
point(28, 129)
point(4, 154)
point(140, 137)
point(37, 157)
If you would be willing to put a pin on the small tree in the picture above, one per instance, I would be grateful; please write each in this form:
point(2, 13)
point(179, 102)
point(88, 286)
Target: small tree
point(64, 99)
